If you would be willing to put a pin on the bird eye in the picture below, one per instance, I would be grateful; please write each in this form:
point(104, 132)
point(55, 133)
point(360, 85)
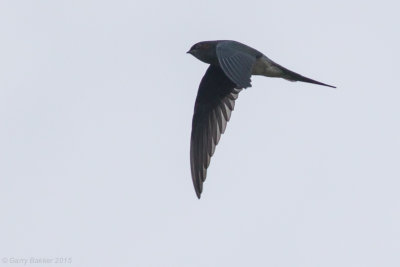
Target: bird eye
point(202, 46)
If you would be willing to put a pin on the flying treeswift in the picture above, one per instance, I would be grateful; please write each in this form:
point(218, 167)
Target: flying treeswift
point(231, 66)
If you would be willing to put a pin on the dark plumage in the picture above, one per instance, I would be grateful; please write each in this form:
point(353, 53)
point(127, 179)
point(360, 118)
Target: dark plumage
point(231, 66)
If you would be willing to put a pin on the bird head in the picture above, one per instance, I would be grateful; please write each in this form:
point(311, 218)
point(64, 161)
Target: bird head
point(205, 51)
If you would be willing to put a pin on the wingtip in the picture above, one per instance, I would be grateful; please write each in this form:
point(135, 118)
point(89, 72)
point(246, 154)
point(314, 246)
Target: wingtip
point(308, 80)
point(198, 194)
point(331, 86)
point(198, 188)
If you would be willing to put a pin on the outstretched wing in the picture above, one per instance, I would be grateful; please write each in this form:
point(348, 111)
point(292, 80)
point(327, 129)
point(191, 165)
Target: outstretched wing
point(236, 64)
point(214, 103)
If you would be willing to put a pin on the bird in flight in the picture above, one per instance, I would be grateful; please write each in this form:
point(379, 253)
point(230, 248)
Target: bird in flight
point(231, 66)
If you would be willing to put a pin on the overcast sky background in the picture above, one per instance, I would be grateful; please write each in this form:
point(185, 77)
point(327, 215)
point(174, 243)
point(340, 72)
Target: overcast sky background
point(96, 102)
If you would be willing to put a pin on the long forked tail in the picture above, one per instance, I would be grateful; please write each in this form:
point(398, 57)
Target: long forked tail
point(293, 76)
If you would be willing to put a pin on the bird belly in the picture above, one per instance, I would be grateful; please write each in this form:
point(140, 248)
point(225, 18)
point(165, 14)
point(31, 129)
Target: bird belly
point(266, 67)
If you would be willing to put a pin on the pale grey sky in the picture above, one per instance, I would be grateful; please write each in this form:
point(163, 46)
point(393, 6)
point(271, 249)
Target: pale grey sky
point(96, 101)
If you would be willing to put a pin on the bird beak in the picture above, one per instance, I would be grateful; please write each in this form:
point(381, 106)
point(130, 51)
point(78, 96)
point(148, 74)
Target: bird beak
point(189, 52)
